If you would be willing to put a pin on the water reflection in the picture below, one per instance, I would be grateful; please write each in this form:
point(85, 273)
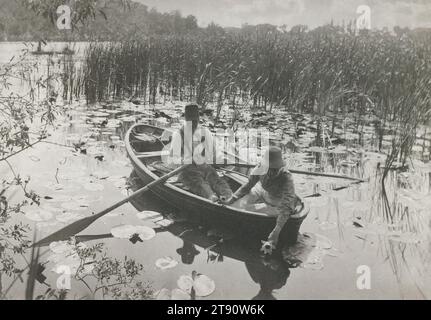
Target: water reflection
point(269, 273)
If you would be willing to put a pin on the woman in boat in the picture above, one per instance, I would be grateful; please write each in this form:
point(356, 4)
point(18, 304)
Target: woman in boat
point(193, 145)
point(270, 190)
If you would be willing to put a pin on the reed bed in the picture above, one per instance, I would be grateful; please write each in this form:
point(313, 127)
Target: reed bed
point(328, 71)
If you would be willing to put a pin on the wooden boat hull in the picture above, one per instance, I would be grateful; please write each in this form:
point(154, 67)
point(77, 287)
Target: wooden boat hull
point(247, 224)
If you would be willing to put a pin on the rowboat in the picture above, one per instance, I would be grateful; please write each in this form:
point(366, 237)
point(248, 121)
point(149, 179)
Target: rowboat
point(145, 143)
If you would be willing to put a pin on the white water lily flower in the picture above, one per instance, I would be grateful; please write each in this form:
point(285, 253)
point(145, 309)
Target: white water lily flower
point(39, 215)
point(166, 263)
point(202, 285)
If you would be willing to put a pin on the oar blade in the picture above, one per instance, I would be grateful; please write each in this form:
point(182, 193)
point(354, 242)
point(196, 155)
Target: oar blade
point(68, 231)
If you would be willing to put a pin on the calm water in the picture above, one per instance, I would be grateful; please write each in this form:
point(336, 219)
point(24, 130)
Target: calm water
point(347, 226)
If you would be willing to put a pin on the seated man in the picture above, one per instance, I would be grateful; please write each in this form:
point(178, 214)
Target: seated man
point(270, 190)
point(193, 145)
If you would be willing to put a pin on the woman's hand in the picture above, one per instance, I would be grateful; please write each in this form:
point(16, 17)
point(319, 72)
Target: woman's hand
point(229, 201)
point(268, 247)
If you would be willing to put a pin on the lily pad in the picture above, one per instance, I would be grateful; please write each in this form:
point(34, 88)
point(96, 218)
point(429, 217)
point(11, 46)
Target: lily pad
point(128, 231)
point(202, 285)
point(145, 233)
point(166, 263)
point(123, 231)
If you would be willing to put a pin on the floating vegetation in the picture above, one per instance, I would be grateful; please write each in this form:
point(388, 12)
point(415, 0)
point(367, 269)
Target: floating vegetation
point(166, 263)
point(128, 232)
point(309, 251)
point(197, 284)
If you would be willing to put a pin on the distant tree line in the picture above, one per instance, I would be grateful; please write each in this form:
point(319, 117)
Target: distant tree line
point(92, 20)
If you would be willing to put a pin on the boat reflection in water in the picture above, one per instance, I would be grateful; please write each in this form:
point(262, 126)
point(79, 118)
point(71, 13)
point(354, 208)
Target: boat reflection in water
point(271, 273)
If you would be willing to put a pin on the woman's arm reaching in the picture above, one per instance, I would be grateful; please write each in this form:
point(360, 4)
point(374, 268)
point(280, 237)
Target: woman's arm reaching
point(286, 207)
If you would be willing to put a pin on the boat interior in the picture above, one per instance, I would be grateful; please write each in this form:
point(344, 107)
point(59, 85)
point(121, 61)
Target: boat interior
point(148, 143)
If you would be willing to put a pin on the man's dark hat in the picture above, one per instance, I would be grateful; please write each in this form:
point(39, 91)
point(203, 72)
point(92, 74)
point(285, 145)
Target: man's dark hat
point(273, 158)
point(191, 112)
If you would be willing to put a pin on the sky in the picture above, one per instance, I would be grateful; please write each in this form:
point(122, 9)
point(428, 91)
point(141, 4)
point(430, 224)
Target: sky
point(234, 13)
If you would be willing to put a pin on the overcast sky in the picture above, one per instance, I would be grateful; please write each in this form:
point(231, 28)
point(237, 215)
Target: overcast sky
point(411, 13)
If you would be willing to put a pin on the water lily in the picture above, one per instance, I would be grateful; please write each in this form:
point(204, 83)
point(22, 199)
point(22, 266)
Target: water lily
point(166, 263)
point(128, 231)
point(202, 285)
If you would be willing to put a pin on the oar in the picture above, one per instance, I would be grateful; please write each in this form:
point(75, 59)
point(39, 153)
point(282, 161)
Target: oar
point(82, 224)
point(243, 163)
